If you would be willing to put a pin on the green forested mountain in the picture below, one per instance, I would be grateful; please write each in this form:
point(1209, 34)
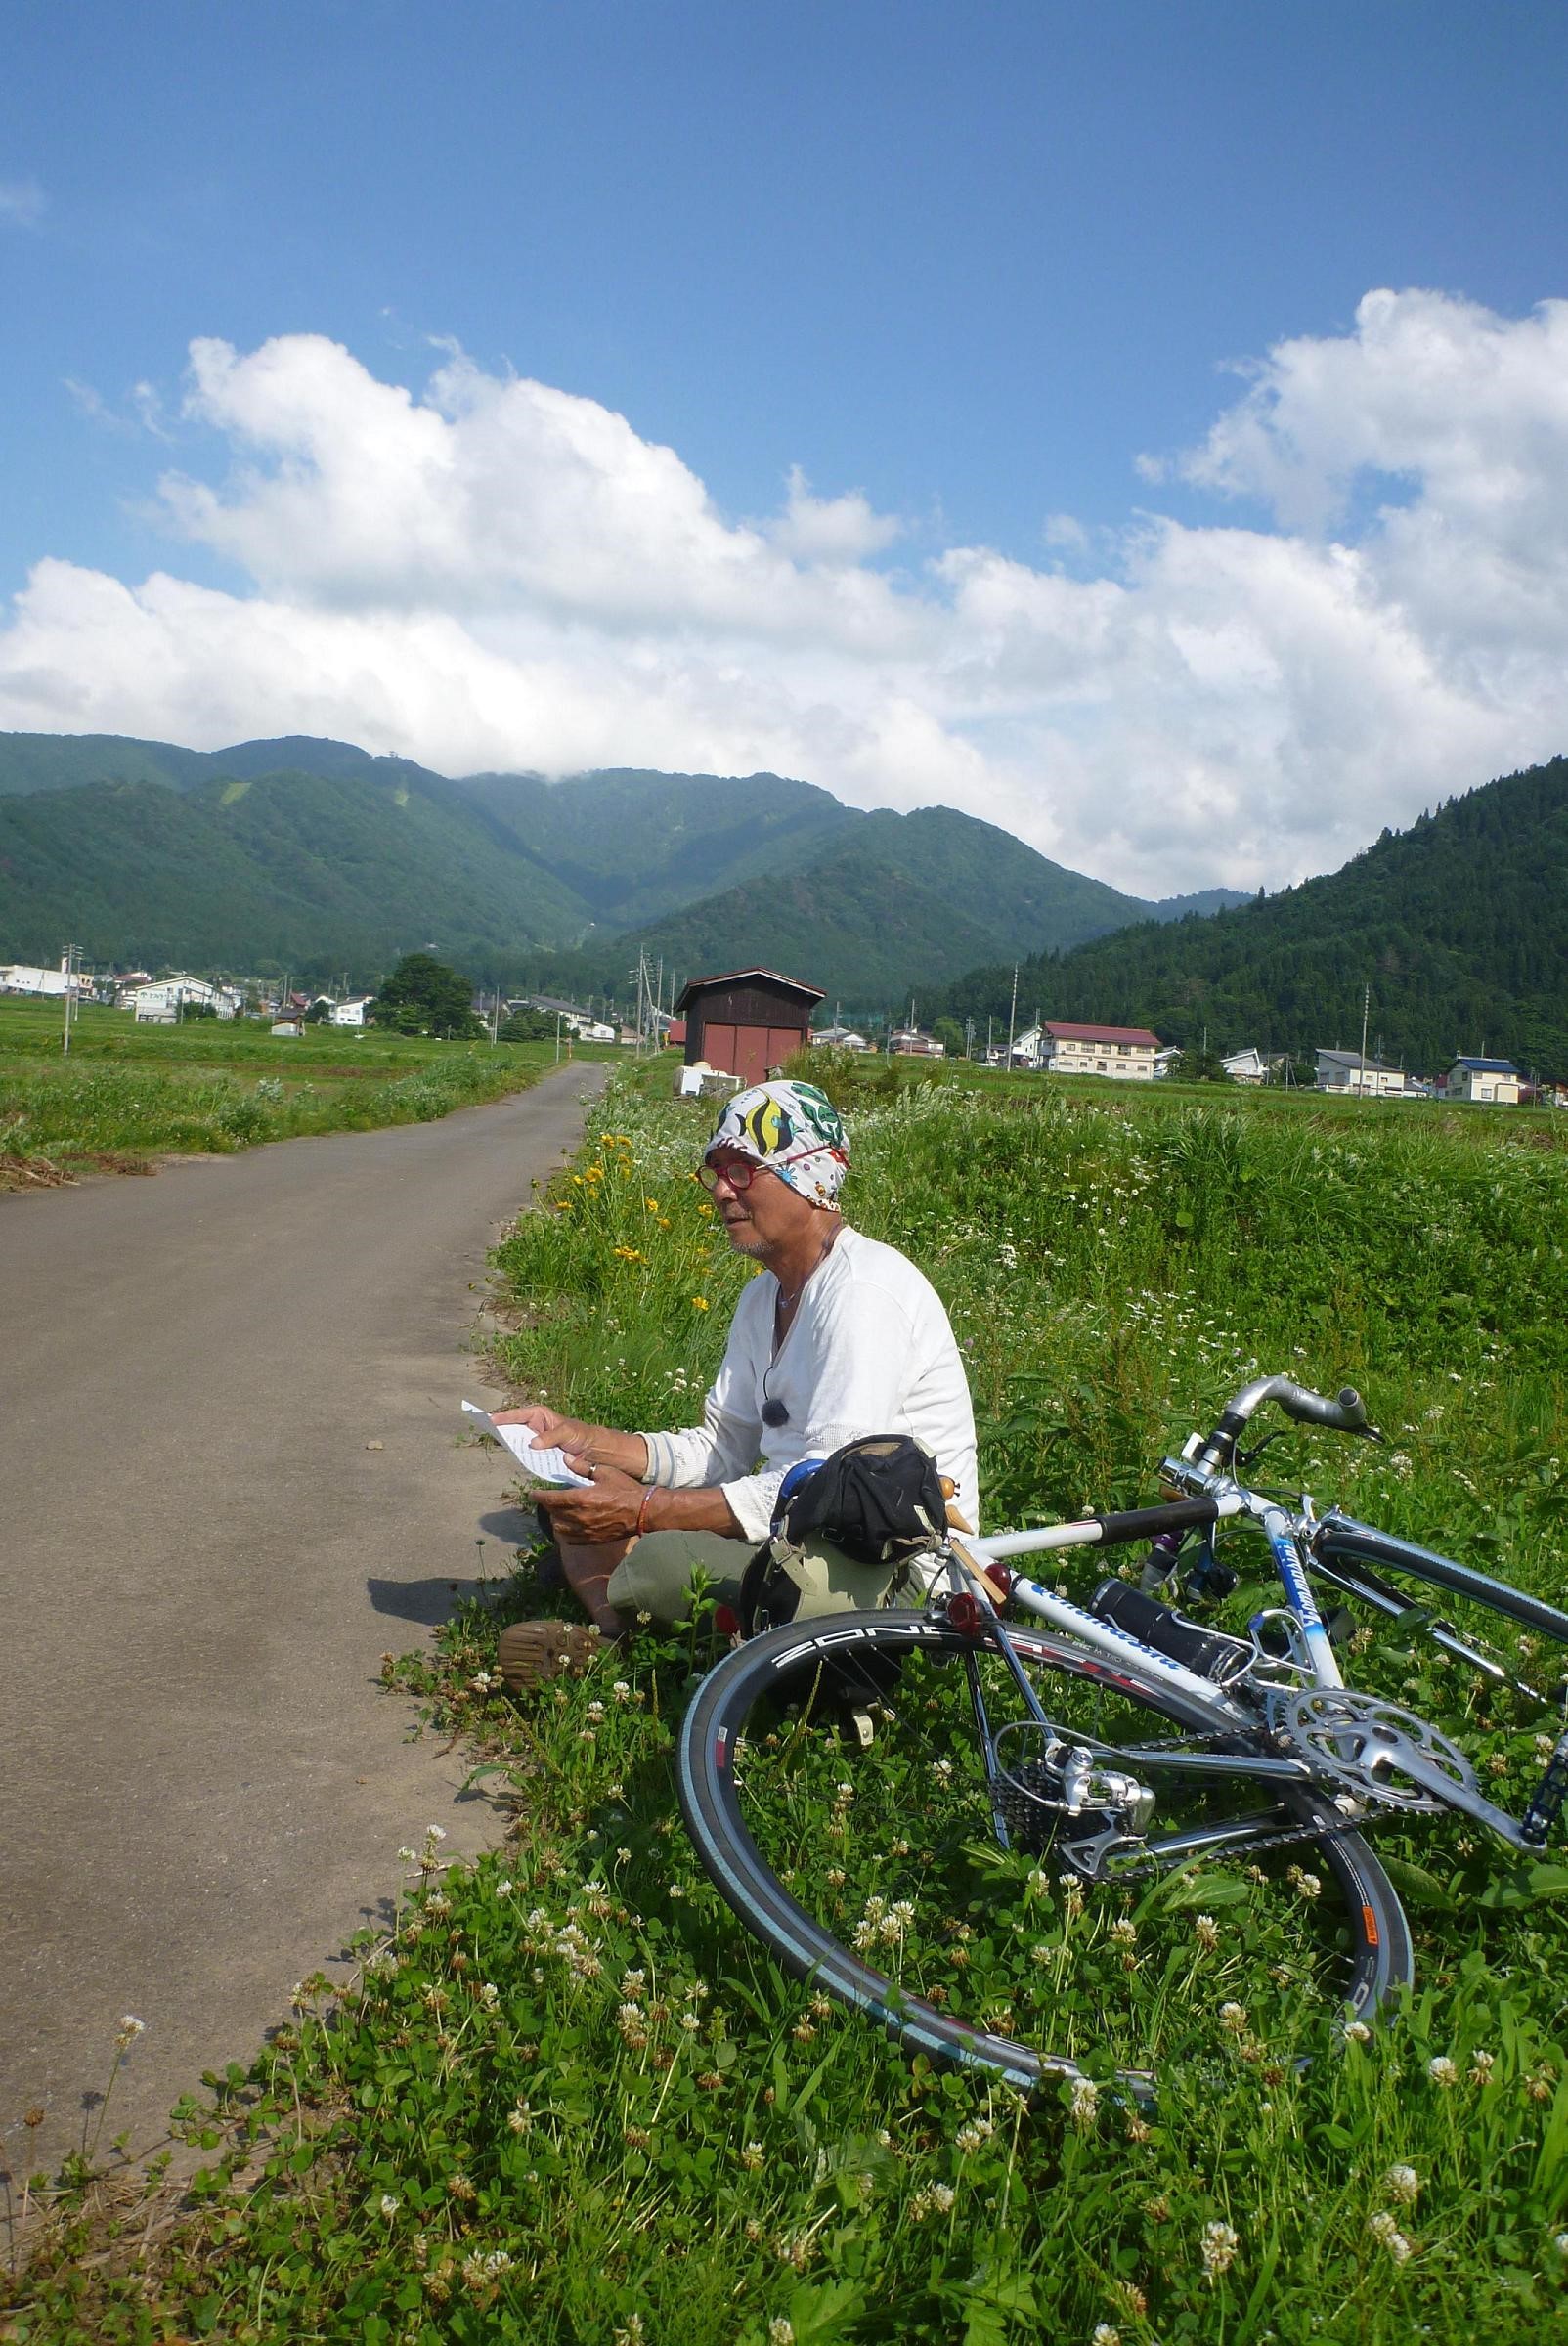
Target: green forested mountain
point(894, 903)
point(286, 869)
point(1459, 927)
point(31, 761)
point(634, 846)
point(316, 855)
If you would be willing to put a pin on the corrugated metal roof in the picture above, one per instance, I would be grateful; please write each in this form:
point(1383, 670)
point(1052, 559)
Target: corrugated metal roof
point(1488, 1067)
point(814, 993)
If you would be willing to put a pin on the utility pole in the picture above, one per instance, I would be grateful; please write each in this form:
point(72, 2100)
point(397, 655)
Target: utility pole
point(67, 962)
point(1012, 1020)
point(1366, 1012)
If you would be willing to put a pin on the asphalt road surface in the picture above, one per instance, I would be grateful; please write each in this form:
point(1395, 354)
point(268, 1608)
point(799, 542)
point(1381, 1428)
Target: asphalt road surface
point(202, 1563)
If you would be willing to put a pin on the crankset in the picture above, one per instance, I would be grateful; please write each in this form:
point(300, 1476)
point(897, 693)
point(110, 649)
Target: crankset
point(1376, 1751)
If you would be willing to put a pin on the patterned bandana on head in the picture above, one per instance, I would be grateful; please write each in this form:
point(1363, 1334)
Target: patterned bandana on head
point(794, 1130)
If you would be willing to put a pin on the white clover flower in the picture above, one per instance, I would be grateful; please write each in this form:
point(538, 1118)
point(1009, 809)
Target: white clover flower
point(1232, 2018)
point(129, 2030)
point(1105, 2333)
point(1124, 1931)
point(1206, 1931)
point(1358, 2032)
point(490, 1996)
point(1219, 2247)
point(435, 1832)
point(781, 2332)
point(388, 2204)
point(1481, 2066)
point(1083, 2108)
point(1442, 2071)
point(1387, 2234)
point(1403, 2185)
point(942, 2196)
point(975, 2132)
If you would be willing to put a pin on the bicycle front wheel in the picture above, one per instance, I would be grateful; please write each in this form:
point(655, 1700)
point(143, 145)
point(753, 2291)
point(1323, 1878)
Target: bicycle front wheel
point(876, 1874)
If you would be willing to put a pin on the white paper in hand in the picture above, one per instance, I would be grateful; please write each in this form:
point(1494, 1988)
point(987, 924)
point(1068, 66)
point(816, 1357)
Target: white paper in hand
point(539, 1464)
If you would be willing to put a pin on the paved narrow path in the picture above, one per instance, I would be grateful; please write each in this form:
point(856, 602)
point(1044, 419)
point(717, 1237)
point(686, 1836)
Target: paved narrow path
point(202, 1563)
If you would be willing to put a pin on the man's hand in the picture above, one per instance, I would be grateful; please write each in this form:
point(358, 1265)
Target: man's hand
point(552, 1430)
point(586, 1446)
point(607, 1509)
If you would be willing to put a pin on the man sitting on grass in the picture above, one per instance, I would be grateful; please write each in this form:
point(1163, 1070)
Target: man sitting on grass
point(842, 1337)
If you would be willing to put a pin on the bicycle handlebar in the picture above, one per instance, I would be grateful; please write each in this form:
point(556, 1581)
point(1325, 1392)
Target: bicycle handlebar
point(1346, 1413)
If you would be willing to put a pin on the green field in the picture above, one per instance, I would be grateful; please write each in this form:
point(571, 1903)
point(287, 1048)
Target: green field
point(569, 2101)
point(127, 1093)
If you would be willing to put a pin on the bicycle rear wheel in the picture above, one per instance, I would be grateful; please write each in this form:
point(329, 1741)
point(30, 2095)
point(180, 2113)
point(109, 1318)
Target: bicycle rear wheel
point(876, 1875)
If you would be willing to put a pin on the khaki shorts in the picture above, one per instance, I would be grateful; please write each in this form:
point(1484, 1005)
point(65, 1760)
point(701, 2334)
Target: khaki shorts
point(656, 1571)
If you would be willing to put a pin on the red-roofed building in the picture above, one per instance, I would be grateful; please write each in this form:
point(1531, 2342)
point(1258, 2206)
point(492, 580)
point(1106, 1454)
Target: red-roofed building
point(1067, 1049)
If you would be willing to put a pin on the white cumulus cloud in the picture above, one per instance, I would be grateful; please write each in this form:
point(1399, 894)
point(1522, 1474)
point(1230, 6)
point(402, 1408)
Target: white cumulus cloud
point(485, 571)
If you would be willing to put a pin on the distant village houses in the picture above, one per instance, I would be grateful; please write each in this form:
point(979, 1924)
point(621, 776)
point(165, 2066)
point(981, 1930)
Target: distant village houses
point(162, 1001)
point(1351, 1074)
point(1067, 1048)
point(27, 978)
point(1246, 1066)
point(913, 1042)
point(1497, 1081)
point(574, 1019)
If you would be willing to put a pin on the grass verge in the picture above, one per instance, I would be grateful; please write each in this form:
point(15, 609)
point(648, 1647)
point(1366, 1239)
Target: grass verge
point(127, 1095)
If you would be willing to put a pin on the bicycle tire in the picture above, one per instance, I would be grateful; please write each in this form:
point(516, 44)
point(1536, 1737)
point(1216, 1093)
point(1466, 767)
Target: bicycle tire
point(861, 1648)
point(1339, 1540)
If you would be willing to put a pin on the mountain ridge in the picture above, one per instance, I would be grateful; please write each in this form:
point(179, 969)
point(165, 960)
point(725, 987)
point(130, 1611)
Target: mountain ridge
point(320, 855)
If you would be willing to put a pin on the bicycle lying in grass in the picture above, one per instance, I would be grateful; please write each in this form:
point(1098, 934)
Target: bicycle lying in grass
point(1134, 1768)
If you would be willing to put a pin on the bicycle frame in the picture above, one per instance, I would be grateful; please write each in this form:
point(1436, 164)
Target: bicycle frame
point(1299, 1544)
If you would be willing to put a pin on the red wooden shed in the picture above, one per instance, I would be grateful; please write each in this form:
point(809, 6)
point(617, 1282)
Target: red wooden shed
point(747, 1021)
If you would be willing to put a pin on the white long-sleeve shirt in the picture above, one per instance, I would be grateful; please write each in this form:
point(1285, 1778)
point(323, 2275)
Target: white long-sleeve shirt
point(869, 1352)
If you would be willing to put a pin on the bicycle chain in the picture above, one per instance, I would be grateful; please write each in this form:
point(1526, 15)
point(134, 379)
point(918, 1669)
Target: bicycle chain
point(1138, 1867)
point(1286, 1838)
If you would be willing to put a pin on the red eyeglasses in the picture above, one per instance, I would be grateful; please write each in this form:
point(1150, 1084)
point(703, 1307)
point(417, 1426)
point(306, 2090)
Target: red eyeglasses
point(739, 1171)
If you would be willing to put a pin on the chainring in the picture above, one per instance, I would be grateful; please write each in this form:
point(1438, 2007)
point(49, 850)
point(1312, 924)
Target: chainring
point(1356, 1741)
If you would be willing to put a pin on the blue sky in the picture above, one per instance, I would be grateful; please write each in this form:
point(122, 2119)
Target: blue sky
point(973, 264)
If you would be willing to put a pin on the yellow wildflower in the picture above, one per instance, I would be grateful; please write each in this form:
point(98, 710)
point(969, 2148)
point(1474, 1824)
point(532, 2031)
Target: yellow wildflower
point(699, 1303)
point(652, 1205)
